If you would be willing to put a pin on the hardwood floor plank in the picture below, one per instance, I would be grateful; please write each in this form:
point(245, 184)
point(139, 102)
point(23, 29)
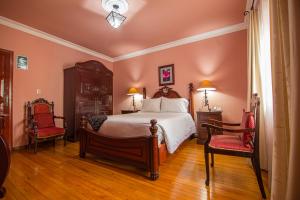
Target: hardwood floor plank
point(59, 173)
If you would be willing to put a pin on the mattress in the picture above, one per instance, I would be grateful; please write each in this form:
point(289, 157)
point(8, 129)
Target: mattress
point(173, 128)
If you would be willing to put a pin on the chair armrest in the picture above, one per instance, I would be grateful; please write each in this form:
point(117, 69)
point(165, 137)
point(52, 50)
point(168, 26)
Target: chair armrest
point(223, 123)
point(219, 128)
point(211, 127)
point(63, 118)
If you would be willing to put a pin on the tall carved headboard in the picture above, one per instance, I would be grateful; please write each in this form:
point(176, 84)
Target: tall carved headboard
point(170, 93)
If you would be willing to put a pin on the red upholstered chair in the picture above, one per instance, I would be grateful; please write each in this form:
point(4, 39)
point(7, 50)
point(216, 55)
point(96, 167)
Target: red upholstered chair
point(242, 141)
point(41, 124)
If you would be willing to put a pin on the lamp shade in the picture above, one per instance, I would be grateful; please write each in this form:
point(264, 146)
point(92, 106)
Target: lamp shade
point(132, 91)
point(206, 85)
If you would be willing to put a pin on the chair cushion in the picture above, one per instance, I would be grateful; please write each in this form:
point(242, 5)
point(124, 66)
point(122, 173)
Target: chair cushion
point(44, 120)
point(229, 142)
point(50, 132)
point(248, 122)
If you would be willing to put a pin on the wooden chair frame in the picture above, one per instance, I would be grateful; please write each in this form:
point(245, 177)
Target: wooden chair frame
point(254, 156)
point(33, 128)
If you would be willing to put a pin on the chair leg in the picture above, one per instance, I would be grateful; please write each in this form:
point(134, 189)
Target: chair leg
point(65, 140)
point(35, 145)
point(54, 142)
point(212, 159)
point(29, 143)
point(257, 170)
point(207, 167)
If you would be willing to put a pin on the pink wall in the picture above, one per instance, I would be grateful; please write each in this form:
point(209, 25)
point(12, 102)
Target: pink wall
point(222, 60)
point(46, 63)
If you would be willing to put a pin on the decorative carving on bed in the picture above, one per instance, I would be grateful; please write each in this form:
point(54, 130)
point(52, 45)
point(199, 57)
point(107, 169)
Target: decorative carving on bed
point(166, 92)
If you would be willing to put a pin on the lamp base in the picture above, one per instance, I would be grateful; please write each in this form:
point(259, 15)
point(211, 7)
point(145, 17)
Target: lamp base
point(206, 101)
point(133, 103)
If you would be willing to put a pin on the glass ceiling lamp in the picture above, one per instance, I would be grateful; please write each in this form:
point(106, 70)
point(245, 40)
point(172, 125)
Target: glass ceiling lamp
point(115, 8)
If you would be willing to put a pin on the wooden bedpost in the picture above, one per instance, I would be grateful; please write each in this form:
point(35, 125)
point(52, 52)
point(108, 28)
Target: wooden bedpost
point(144, 93)
point(82, 137)
point(154, 160)
point(83, 122)
point(191, 96)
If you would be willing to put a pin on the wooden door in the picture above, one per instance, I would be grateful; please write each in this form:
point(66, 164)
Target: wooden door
point(6, 70)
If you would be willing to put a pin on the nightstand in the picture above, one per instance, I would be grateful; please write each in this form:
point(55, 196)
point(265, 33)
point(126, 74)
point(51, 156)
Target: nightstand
point(128, 111)
point(202, 117)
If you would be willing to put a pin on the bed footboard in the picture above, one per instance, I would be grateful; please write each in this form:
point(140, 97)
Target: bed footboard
point(141, 152)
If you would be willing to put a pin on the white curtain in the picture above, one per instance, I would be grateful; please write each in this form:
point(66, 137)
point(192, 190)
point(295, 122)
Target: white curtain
point(266, 83)
point(259, 71)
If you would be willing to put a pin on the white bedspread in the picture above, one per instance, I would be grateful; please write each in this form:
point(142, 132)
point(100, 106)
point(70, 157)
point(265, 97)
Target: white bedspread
point(173, 127)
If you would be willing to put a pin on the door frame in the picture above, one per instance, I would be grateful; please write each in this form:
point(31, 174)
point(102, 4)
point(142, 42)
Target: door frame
point(10, 101)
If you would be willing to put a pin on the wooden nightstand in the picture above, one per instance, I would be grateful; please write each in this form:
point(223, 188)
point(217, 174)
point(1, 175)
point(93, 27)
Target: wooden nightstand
point(128, 111)
point(203, 117)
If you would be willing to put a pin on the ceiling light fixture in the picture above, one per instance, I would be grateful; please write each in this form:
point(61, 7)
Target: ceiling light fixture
point(115, 8)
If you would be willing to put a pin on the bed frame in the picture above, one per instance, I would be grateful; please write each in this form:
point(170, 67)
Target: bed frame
point(142, 152)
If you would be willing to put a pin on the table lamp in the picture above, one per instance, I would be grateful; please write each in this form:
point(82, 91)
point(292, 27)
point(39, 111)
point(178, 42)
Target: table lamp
point(205, 86)
point(133, 91)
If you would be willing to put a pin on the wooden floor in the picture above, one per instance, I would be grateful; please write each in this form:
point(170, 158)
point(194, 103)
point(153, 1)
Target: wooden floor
point(59, 173)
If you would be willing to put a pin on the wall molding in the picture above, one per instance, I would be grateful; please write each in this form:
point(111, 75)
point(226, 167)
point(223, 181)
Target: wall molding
point(27, 29)
point(195, 38)
point(184, 41)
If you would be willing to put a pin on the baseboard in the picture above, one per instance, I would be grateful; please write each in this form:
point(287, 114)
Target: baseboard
point(23, 147)
point(19, 148)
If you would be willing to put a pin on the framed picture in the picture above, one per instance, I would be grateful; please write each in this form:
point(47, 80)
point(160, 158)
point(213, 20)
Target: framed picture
point(166, 75)
point(22, 62)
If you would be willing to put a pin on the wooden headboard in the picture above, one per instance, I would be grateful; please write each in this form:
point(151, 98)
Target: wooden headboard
point(170, 93)
point(166, 92)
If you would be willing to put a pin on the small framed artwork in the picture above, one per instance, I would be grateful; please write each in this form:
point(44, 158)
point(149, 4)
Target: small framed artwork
point(22, 62)
point(166, 75)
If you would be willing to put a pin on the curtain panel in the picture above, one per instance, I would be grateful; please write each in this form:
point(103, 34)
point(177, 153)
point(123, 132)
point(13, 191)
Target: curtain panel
point(294, 158)
point(285, 45)
point(259, 76)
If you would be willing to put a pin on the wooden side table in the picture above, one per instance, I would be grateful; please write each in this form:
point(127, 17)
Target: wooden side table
point(128, 111)
point(202, 117)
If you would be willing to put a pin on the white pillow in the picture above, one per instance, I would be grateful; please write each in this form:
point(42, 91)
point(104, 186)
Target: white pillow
point(177, 105)
point(151, 105)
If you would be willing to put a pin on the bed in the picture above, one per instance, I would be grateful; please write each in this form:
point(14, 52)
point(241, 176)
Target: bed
point(142, 139)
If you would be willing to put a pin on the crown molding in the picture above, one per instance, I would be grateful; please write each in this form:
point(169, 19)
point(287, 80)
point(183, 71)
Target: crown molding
point(183, 41)
point(195, 38)
point(27, 29)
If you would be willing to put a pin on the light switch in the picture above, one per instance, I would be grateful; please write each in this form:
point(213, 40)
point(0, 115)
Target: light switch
point(38, 91)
